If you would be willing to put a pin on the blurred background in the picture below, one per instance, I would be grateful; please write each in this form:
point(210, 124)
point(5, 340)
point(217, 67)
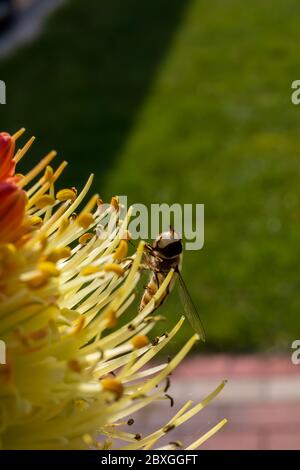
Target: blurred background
point(188, 102)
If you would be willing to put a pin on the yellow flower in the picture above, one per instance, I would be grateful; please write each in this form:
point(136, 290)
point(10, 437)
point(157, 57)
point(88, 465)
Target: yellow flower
point(70, 381)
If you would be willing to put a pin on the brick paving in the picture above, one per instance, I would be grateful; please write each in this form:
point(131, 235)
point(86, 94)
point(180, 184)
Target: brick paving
point(261, 401)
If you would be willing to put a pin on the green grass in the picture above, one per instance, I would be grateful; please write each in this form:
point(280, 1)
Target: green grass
point(189, 104)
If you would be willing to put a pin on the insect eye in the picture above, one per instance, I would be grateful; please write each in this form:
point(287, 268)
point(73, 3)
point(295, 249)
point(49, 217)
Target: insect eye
point(172, 249)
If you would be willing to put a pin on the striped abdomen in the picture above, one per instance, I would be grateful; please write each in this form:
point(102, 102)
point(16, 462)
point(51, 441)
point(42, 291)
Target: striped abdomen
point(152, 287)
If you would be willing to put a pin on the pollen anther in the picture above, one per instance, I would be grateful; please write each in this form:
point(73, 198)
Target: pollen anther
point(85, 219)
point(115, 268)
point(140, 341)
point(44, 201)
point(122, 250)
point(113, 385)
point(66, 195)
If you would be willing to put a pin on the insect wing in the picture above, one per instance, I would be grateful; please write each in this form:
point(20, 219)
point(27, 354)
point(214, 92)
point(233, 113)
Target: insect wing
point(190, 310)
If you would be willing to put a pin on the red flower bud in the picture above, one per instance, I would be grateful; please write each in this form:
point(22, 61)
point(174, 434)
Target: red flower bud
point(7, 149)
point(12, 210)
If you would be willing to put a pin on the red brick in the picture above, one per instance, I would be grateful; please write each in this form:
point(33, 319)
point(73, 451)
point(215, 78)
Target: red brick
point(284, 441)
point(264, 414)
point(227, 440)
point(236, 366)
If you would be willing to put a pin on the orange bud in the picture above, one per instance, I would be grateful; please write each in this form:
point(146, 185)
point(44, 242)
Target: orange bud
point(7, 149)
point(12, 209)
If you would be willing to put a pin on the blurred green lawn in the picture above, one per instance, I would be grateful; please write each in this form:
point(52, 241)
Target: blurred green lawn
point(188, 102)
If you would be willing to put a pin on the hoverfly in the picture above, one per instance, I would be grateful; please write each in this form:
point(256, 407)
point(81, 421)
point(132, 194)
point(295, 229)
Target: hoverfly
point(164, 254)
